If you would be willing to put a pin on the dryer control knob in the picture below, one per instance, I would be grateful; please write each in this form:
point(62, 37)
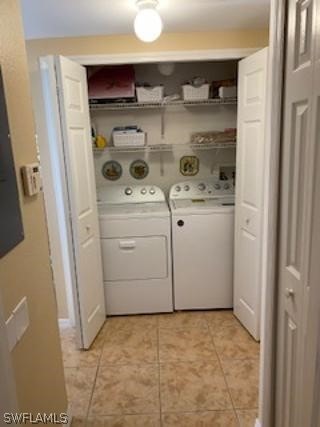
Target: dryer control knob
point(128, 191)
point(186, 188)
point(152, 191)
point(226, 186)
point(202, 186)
point(178, 188)
point(217, 186)
point(143, 191)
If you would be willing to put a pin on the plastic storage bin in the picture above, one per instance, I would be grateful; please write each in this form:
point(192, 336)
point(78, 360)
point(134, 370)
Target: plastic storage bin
point(193, 93)
point(111, 83)
point(228, 91)
point(149, 94)
point(128, 138)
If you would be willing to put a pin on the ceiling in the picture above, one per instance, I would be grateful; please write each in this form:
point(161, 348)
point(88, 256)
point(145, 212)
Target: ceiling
point(66, 18)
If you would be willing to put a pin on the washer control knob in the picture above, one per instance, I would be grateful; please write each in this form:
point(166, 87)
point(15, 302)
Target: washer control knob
point(143, 191)
point(202, 186)
point(178, 188)
point(152, 191)
point(180, 223)
point(128, 191)
point(186, 187)
point(217, 186)
point(226, 186)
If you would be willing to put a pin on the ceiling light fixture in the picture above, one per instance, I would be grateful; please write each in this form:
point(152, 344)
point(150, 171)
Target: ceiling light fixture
point(148, 23)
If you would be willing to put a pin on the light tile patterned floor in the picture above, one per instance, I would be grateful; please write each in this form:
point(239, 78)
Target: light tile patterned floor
point(188, 369)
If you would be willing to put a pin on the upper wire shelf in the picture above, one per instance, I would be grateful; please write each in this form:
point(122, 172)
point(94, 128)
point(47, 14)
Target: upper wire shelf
point(147, 105)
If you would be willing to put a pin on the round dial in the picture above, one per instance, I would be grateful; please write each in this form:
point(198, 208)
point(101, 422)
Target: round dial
point(178, 188)
point(226, 186)
point(202, 186)
point(152, 191)
point(128, 191)
point(143, 191)
point(186, 187)
point(217, 186)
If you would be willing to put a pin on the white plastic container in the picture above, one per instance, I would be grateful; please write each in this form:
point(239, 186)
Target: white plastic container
point(228, 91)
point(128, 138)
point(150, 94)
point(192, 93)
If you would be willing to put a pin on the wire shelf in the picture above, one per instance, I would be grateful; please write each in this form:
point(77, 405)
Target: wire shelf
point(119, 106)
point(166, 148)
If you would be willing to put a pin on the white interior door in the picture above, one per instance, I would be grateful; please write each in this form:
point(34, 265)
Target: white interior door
point(76, 133)
point(298, 310)
point(252, 83)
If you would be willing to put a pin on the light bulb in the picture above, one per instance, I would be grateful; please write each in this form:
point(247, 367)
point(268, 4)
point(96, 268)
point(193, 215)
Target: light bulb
point(148, 25)
point(166, 68)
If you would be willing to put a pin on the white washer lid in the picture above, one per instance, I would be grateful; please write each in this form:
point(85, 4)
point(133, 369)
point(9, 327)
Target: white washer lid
point(133, 210)
point(202, 206)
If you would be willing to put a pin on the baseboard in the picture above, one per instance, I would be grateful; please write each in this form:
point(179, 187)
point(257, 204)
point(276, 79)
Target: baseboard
point(257, 424)
point(64, 323)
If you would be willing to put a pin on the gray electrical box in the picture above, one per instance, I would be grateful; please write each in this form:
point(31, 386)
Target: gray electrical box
point(11, 228)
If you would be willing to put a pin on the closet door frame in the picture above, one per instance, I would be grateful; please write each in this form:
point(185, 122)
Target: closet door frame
point(270, 240)
point(271, 191)
point(272, 153)
point(272, 156)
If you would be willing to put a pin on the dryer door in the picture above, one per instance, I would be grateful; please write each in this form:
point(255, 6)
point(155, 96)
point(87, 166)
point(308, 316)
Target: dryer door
point(135, 258)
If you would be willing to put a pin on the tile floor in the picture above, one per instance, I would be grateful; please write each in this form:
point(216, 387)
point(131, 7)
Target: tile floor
point(188, 369)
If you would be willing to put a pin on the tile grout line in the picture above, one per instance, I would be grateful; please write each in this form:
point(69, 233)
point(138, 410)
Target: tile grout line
point(224, 376)
point(157, 324)
point(95, 379)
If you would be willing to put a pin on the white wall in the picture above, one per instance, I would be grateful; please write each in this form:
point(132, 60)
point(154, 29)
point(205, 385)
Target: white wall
point(180, 123)
point(209, 162)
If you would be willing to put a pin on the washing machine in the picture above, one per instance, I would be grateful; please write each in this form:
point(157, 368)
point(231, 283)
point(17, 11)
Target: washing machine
point(135, 231)
point(202, 244)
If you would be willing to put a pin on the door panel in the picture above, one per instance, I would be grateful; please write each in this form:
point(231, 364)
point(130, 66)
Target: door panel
point(135, 258)
point(76, 130)
point(247, 275)
point(297, 172)
point(303, 32)
point(249, 190)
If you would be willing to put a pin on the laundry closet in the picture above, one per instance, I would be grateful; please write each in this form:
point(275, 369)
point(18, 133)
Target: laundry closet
point(169, 120)
point(184, 137)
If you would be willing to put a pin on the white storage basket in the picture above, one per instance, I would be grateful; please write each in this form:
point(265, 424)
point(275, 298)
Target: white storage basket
point(228, 91)
point(128, 139)
point(150, 94)
point(192, 93)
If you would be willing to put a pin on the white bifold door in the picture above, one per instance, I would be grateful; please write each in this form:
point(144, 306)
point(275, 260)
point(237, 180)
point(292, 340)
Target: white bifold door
point(250, 184)
point(298, 323)
point(69, 78)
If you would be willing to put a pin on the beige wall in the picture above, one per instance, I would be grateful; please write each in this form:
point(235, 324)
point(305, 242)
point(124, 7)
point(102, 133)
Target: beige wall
point(25, 271)
point(129, 43)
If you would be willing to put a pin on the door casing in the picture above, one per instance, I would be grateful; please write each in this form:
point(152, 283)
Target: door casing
point(272, 156)
point(272, 153)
